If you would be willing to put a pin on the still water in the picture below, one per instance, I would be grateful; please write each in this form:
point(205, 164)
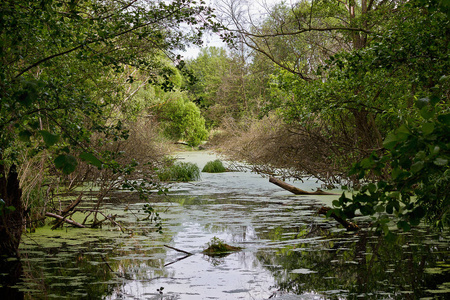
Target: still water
point(289, 252)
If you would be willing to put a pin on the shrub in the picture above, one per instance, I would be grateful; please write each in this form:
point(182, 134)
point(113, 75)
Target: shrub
point(181, 119)
point(215, 166)
point(180, 171)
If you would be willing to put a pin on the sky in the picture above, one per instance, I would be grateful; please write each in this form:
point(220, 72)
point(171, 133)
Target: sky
point(210, 40)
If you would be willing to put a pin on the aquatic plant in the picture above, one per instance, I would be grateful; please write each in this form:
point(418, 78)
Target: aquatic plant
point(180, 171)
point(218, 247)
point(215, 166)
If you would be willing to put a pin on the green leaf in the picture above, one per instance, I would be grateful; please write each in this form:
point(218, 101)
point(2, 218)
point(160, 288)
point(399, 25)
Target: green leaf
point(390, 208)
point(396, 172)
point(434, 100)
point(439, 161)
point(402, 133)
point(445, 119)
point(390, 141)
point(66, 163)
point(336, 203)
point(435, 150)
point(25, 135)
point(91, 159)
point(49, 139)
point(380, 208)
point(426, 113)
point(404, 225)
point(422, 102)
point(367, 210)
point(427, 128)
point(416, 167)
point(372, 188)
point(416, 215)
point(367, 163)
point(390, 237)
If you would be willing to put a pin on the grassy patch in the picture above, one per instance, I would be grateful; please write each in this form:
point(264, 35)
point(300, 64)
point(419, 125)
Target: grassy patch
point(217, 247)
point(180, 171)
point(215, 166)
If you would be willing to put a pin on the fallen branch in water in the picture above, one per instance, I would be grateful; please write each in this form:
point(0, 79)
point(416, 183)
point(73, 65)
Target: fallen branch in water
point(65, 212)
point(179, 250)
point(107, 217)
point(294, 189)
point(65, 220)
point(348, 225)
point(177, 260)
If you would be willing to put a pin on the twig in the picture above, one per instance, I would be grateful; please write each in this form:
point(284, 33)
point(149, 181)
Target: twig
point(179, 250)
point(106, 218)
point(65, 220)
point(181, 258)
point(66, 211)
point(348, 225)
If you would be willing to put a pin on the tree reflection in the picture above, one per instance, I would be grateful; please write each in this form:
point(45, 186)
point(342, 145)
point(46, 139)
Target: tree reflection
point(91, 270)
point(361, 265)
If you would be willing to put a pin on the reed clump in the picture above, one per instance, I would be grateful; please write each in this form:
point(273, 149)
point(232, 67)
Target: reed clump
point(215, 166)
point(180, 171)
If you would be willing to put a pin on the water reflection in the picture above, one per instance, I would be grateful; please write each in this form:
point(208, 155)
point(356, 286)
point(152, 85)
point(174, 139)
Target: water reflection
point(289, 252)
point(361, 266)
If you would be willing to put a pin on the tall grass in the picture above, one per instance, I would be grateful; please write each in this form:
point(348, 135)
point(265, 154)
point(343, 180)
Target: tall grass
point(180, 171)
point(215, 166)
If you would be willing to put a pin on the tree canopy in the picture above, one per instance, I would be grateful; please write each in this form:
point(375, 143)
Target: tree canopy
point(362, 90)
point(66, 67)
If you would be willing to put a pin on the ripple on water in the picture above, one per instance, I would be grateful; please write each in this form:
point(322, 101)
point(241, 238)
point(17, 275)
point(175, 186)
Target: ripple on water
point(289, 251)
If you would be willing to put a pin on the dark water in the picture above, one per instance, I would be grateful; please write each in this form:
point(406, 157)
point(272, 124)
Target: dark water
point(289, 252)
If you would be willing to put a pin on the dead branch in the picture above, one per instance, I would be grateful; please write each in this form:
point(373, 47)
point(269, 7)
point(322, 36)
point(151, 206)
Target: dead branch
point(177, 260)
point(76, 224)
point(179, 250)
point(72, 205)
point(296, 190)
point(348, 225)
point(109, 218)
point(65, 212)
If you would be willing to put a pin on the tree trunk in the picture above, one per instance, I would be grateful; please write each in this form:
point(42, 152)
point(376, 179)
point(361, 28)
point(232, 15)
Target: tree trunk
point(296, 190)
point(11, 222)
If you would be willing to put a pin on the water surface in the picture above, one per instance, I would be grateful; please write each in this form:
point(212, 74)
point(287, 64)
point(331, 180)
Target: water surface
point(289, 252)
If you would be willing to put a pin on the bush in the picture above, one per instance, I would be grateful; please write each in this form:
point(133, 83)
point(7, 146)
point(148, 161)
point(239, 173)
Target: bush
point(180, 171)
point(215, 166)
point(181, 119)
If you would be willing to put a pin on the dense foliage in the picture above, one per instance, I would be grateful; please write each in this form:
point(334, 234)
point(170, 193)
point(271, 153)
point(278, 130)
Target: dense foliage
point(66, 72)
point(181, 119)
point(362, 92)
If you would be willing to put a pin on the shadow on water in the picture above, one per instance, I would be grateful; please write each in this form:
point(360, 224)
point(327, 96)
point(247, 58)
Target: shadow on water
point(289, 252)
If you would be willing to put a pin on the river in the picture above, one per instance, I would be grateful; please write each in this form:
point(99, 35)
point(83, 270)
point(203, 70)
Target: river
point(289, 251)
